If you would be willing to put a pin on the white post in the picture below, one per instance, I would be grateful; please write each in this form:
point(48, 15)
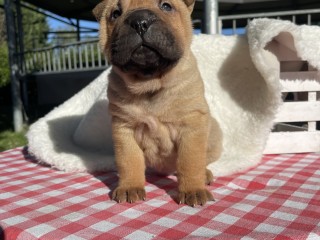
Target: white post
point(14, 67)
point(211, 14)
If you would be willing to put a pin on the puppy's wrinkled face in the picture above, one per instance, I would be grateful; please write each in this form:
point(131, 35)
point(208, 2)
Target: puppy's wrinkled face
point(144, 37)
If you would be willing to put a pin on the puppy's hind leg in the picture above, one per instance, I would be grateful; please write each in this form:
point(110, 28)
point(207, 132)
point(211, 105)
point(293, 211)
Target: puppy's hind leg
point(214, 149)
point(209, 177)
point(215, 139)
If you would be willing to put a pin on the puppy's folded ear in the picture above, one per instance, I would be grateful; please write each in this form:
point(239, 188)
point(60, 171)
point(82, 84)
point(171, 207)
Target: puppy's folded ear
point(190, 4)
point(98, 10)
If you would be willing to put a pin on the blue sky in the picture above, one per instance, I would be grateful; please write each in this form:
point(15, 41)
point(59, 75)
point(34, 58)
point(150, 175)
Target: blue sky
point(56, 25)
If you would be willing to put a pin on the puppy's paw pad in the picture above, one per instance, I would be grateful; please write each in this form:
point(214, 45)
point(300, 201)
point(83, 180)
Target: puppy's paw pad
point(129, 194)
point(196, 197)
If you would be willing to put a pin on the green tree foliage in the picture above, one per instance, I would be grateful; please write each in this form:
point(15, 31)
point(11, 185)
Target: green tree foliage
point(65, 38)
point(35, 27)
point(4, 65)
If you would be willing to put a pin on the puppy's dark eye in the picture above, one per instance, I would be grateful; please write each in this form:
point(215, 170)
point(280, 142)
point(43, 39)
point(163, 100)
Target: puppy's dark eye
point(166, 7)
point(115, 14)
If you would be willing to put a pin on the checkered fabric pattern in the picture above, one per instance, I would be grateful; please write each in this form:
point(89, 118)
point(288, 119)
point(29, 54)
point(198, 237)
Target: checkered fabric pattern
point(279, 199)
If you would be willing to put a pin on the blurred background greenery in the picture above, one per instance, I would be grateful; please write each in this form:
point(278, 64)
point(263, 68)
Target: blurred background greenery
point(34, 26)
point(8, 138)
point(39, 31)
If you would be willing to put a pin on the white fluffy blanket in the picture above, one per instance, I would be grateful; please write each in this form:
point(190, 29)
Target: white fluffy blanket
point(242, 89)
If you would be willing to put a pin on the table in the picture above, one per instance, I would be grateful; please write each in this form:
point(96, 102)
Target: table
point(278, 199)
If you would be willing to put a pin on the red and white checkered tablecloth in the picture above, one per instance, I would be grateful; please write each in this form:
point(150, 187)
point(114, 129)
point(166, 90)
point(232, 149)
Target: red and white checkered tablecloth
point(279, 199)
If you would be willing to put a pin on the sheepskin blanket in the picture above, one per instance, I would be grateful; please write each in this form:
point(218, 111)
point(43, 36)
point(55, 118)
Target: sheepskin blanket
point(242, 87)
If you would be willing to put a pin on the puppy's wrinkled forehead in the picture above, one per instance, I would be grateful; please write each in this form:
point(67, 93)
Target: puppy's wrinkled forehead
point(133, 4)
point(106, 6)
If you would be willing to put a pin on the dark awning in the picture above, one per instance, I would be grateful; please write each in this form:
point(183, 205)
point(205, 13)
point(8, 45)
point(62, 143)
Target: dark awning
point(81, 9)
point(77, 9)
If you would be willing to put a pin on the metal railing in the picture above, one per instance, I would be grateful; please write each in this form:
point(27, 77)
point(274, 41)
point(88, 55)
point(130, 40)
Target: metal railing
point(240, 21)
point(86, 55)
point(67, 57)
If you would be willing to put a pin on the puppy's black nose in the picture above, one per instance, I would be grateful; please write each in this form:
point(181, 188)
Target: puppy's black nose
point(140, 25)
point(141, 20)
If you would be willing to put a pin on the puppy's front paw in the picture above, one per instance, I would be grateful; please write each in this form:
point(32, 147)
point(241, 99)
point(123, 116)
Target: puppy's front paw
point(129, 194)
point(196, 197)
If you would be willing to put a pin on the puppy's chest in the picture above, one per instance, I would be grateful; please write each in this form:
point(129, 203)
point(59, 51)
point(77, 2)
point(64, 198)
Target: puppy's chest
point(156, 127)
point(156, 132)
point(157, 140)
point(155, 122)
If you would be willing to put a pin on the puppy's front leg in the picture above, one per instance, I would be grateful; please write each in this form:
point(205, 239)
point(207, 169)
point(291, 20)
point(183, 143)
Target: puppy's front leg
point(191, 164)
point(130, 164)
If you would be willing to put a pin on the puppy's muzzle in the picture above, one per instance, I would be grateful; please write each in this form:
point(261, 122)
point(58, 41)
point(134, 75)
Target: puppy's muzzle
point(144, 44)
